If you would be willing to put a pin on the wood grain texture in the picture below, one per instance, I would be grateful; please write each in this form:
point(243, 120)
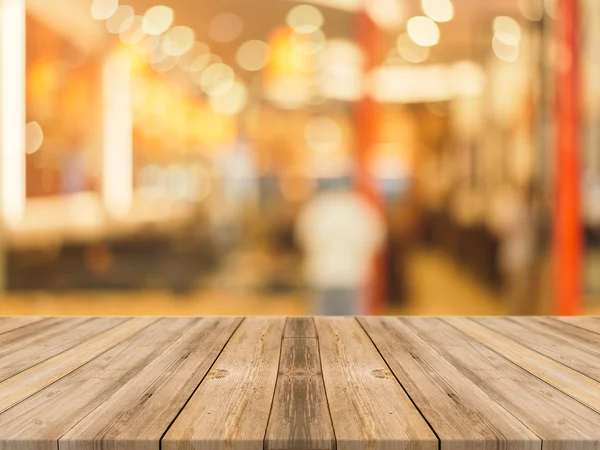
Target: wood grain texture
point(37, 423)
point(369, 409)
point(300, 414)
point(300, 327)
point(557, 374)
point(463, 416)
point(561, 421)
point(587, 323)
point(17, 357)
point(30, 381)
point(551, 339)
point(230, 410)
point(12, 323)
point(141, 410)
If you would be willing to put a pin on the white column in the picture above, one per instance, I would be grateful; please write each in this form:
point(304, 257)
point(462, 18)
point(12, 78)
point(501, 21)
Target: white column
point(12, 110)
point(117, 162)
point(12, 121)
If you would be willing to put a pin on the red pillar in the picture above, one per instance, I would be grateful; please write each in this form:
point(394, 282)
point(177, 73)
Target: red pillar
point(366, 125)
point(568, 225)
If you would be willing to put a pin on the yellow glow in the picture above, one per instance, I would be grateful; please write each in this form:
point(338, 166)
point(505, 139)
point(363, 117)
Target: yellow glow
point(12, 110)
point(253, 55)
point(323, 134)
point(115, 23)
point(157, 20)
point(423, 31)
point(103, 9)
point(308, 44)
point(117, 182)
point(305, 19)
point(438, 10)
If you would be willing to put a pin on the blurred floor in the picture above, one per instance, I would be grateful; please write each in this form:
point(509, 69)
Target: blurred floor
point(453, 292)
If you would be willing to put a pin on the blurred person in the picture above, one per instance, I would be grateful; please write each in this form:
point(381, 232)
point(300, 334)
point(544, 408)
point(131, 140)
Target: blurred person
point(341, 234)
point(514, 221)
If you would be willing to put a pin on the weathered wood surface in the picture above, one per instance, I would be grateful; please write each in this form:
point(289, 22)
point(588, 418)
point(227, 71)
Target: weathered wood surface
point(227, 383)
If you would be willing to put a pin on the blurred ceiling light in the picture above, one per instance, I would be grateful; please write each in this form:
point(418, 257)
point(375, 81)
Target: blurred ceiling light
point(115, 23)
point(532, 9)
point(226, 27)
point(147, 45)
point(411, 52)
point(505, 52)
point(323, 134)
point(157, 20)
point(168, 63)
point(438, 10)
point(468, 78)
point(217, 79)
point(103, 9)
point(34, 137)
point(308, 44)
point(178, 40)
point(231, 102)
point(305, 19)
point(423, 31)
point(253, 55)
point(132, 33)
point(387, 14)
point(507, 30)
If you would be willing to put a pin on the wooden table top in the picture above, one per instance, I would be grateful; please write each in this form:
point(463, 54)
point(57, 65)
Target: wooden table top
point(183, 383)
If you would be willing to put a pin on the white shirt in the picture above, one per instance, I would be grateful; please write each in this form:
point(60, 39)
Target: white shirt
point(340, 233)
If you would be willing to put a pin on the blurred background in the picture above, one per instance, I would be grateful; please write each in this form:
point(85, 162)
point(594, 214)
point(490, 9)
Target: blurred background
point(299, 157)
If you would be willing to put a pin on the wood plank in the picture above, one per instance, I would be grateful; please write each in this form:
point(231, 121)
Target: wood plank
point(28, 382)
point(574, 335)
point(12, 323)
point(300, 415)
point(463, 416)
point(39, 421)
point(562, 422)
point(139, 413)
point(369, 409)
point(544, 338)
point(300, 327)
point(230, 409)
point(587, 323)
point(16, 358)
point(22, 335)
point(567, 380)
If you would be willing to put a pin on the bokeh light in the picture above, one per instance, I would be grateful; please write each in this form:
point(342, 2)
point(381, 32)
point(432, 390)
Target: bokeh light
point(157, 20)
point(34, 137)
point(133, 32)
point(305, 19)
point(411, 52)
point(217, 79)
point(323, 134)
point(103, 9)
point(388, 14)
point(230, 102)
point(438, 10)
point(115, 23)
point(178, 40)
point(253, 55)
point(226, 27)
point(505, 52)
point(507, 30)
point(423, 31)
